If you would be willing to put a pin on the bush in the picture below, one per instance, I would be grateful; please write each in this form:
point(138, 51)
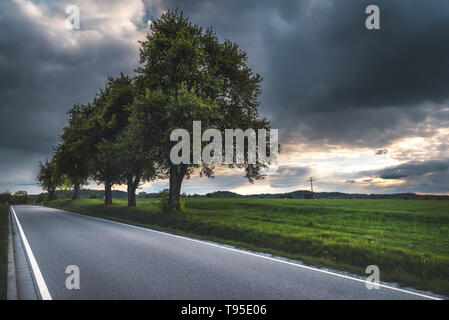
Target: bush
point(182, 206)
point(308, 195)
point(93, 196)
point(163, 205)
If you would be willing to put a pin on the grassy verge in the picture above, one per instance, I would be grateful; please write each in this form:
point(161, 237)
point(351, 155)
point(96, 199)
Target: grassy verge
point(408, 240)
point(3, 250)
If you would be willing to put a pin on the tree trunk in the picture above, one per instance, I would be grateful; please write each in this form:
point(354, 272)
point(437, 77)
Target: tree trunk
point(178, 190)
point(51, 195)
point(132, 187)
point(172, 186)
point(133, 183)
point(76, 194)
point(107, 192)
point(131, 196)
point(177, 174)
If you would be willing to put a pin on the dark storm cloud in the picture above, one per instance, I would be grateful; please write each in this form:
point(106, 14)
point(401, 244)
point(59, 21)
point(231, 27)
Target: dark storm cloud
point(413, 169)
point(41, 78)
point(44, 70)
point(327, 77)
point(429, 176)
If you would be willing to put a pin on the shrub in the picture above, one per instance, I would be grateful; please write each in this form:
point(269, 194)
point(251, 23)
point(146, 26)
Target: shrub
point(163, 205)
point(182, 206)
point(308, 195)
point(93, 196)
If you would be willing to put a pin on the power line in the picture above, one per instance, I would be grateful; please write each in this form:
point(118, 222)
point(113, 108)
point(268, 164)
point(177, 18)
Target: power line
point(311, 184)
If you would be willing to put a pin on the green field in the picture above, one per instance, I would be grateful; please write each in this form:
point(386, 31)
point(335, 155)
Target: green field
point(407, 239)
point(3, 250)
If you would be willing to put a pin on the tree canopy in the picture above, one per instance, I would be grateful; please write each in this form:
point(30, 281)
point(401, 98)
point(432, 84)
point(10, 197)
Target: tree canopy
point(186, 74)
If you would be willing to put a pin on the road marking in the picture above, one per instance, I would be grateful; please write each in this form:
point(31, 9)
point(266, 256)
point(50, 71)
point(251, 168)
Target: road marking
point(34, 266)
point(258, 255)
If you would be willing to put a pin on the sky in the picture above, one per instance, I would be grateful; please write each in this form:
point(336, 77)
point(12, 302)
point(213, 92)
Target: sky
point(362, 111)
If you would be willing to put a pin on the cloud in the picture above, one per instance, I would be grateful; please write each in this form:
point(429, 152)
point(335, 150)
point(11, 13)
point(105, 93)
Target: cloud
point(288, 177)
point(329, 82)
point(381, 152)
point(327, 77)
point(46, 68)
point(413, 169)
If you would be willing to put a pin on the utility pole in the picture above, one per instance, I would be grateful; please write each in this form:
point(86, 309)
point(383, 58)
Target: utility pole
point(311, 184)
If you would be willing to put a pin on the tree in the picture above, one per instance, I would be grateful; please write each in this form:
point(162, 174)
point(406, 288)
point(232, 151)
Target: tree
point(107, 167)
point(65, 185)
point(20, 197)
point(109, 119)
point(48, 178)
point(72, 153)
point(188, 75)
point(41, 198)
point(5, 197)
point(98, 142)
point(136, 165)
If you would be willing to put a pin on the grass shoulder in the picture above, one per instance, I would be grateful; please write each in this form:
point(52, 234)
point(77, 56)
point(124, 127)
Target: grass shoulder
point(4, 222)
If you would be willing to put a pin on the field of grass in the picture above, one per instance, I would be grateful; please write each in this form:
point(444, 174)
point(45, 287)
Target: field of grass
point(3, 250)
point(407, 239)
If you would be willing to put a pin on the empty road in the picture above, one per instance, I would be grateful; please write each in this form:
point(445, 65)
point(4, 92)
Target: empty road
point(118, 261)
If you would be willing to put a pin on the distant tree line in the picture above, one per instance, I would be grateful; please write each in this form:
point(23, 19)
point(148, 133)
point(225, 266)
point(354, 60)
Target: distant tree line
point(123, 135)
point(19, 197)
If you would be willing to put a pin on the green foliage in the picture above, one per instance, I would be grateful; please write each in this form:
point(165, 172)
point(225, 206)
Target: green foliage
point(163, 205)
point(188, 75)
point(65, 185)
point(123, 135)
point(73, 151)
point(107, 121)
point(49, 178)
point(93, 196)
point(407, 239)
point(19, 197)
point(41, 198)
point(182, 206)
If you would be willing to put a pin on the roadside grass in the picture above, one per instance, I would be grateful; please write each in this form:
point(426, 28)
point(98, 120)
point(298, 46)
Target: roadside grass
point(3, 250)
point(407, 239)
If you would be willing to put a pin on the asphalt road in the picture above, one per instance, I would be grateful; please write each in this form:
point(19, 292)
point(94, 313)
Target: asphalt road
point(117, 261)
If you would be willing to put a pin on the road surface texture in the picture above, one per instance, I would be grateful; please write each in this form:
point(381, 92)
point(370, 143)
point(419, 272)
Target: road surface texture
point(118, 261)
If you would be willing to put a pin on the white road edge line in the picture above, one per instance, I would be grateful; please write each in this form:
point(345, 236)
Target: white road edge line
point(257, 255)
point(45, 294)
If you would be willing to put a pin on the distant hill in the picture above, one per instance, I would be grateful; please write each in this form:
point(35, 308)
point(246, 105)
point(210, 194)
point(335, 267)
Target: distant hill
point(302, 194)
point(224, 194)
point(299, 194)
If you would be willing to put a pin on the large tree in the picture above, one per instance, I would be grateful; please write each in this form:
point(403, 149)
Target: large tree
point(72, 152)
point(137, 164)
point(48, 178)
point(98, 143)
point(187, 75)
point(109, 119)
